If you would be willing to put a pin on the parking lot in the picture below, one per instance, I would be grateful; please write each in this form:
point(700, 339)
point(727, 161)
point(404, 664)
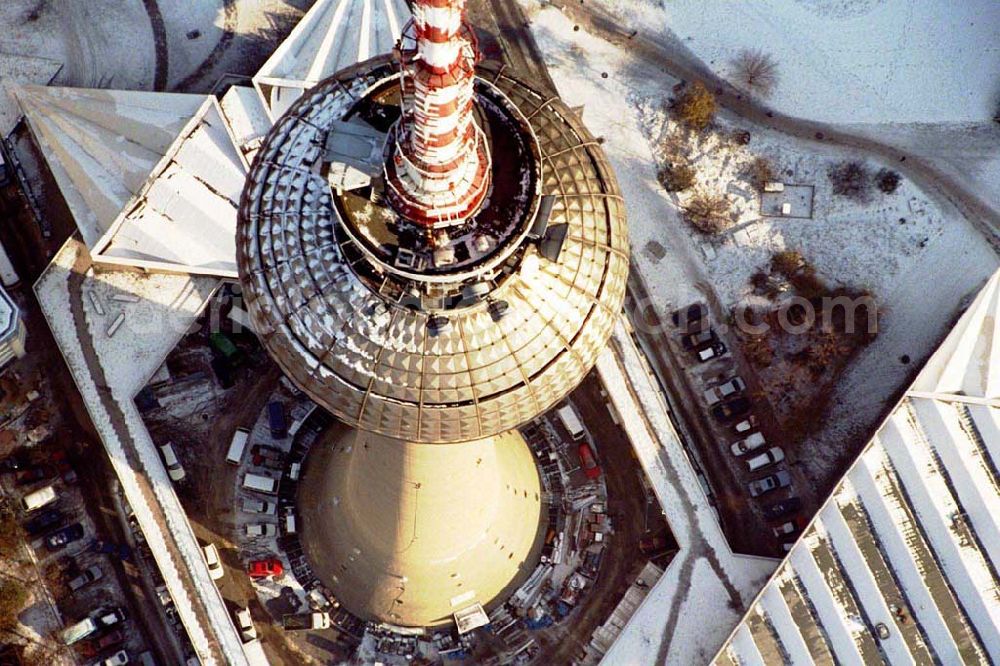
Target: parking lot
point(72, 559)
point(751, 474)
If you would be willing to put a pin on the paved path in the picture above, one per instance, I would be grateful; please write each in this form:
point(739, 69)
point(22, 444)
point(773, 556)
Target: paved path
point(675, 59)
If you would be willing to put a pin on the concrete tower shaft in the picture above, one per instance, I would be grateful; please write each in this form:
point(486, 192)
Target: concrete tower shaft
point(438, 163)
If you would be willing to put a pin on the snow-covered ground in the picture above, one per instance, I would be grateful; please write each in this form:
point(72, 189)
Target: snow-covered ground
point(919, 271)
point(846, 61)
point(701, 596)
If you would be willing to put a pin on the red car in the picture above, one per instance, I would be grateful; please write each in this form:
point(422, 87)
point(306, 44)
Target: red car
point(265, 568)
point(587, 462)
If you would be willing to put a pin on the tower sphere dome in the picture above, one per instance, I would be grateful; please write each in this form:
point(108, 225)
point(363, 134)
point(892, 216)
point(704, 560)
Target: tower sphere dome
point(425, 334)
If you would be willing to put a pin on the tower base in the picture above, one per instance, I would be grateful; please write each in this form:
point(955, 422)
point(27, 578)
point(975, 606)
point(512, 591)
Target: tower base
point(409, 534)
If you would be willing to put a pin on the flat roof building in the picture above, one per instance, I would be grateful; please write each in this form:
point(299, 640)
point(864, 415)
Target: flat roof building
point(900, 564)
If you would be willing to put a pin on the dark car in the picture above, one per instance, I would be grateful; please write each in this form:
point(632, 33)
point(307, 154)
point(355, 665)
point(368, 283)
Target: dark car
point(34, 474)
point(43, 522)
point(693, 317)
point(731, 409)
point(122, 551)
point(277, 420)
point(711, 350)
point(67, 535)
point(699, 339)
point(774, 481)
point(783, 508)
point(13, 462)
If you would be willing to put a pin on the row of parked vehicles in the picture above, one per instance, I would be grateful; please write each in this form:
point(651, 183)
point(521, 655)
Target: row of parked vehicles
point(729, 404)
point(50, 521)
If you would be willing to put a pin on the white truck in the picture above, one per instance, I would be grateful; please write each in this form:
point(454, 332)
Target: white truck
point(260, 483)
point(304, 621)
point(571, 422)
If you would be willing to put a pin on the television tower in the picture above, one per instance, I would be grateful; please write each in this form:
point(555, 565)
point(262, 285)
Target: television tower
point(438, 171)
point(436, 253)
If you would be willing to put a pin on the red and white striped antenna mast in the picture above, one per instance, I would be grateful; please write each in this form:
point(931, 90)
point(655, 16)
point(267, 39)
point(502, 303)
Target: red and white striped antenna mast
point(438, 164)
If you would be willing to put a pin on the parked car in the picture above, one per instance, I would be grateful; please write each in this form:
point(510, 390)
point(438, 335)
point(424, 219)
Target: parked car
point(265, 568)
point(766, 459)
point(746, 425)
point(754, 441)
point(691, 317)
point(590, 467)
point(698, 339)
point(244, 624)
point(119, 658)
point(61, 538)
point(711, 350)
point(89, 575)
point(44, 522)
point(174, 469)
point(211, 554)
point(104, 642)
point(252, 505)
point(727, 389)
point(277, 419)
point(731, 409)
point(33, 474)
point(786, 529)
point(14, 462)
point(109, 617)
point(122, 551)
point(771, 482)
point(254, 530)
point(783, 508)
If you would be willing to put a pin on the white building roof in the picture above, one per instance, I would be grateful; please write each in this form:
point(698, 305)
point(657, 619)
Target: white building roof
point(184, 218)
point(101, 145)
point(333, 34)
point(900, 564)
point(8, 316)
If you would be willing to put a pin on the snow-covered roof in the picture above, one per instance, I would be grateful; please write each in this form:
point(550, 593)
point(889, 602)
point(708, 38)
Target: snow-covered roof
point(102, 145)
point(900, 563)
point(8, 315)
point(333, 34)
point(184, 218)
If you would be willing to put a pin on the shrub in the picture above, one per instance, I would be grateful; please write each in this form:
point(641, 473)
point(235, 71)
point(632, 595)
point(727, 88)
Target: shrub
point(760, 173)
point(756, 71)
point(13, 597)
point(887, 181)
point(788, 262)
point(696, 106)
point(708, 213)
point(676, 178)
point(850, 179)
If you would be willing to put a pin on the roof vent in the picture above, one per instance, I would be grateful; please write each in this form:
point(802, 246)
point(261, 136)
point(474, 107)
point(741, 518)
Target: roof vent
point(438, 325)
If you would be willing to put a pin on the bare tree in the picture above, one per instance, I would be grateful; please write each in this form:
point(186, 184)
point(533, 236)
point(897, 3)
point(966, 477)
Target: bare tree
point(708, 213)
point(756, 71)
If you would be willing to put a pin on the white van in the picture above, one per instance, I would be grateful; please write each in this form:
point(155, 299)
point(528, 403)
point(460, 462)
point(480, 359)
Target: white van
point(174, 469)
point(39, 498)
point(236, 448)
point(571, 421)
point(769, 457)
point(78, 631)
point(290, 522)
point(260, 483)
